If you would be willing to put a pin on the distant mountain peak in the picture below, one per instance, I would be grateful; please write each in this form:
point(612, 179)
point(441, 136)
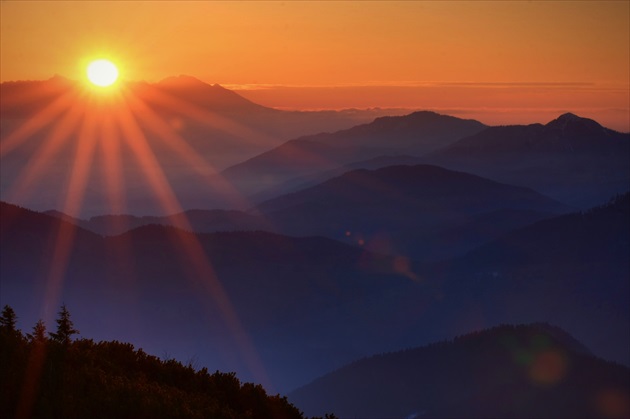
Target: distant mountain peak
point(182, 80)
point(568, 116)
point(424, 116)
point(213, 96)
point(569, 119)
point(59, 78)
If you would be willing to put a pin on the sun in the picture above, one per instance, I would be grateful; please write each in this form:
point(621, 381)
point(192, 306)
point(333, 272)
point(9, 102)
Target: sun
point(102, 72)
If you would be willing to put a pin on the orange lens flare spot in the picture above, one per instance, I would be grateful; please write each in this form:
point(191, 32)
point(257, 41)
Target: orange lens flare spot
point(613, 403)
point(548, 367)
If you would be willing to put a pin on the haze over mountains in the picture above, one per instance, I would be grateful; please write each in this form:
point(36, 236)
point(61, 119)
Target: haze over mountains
point(572, 159)
point(415, 134)
point(325, 239)
point(422, 212)
point(312, 304)
point(398, 209)
point(178, 115)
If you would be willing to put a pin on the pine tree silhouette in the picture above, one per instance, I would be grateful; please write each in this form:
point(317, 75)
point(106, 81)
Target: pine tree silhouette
point(8, 319)
point(65, 327)
point(39, 332)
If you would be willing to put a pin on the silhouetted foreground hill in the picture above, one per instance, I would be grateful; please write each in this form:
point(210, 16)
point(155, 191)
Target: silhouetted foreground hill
point(572, 159)
point(85, 379)
point(529, 371)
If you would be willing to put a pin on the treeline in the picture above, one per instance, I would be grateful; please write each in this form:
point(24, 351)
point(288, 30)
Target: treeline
point(50, 375)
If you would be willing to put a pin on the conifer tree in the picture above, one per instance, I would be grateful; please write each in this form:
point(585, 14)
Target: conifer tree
point(65, 327)
point(39, 332)
point(8, 319)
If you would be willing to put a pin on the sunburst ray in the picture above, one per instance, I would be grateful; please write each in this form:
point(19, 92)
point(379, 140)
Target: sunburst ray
point(192, 254)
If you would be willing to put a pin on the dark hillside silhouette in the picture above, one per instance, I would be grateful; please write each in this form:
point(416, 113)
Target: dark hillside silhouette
point(527, 371)
point(42, 378)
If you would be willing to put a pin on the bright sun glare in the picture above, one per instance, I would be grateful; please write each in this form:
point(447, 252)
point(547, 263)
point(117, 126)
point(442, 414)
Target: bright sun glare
point(102, 73)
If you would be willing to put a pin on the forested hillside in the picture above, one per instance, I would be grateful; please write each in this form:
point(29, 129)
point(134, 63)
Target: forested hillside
point(52, 376)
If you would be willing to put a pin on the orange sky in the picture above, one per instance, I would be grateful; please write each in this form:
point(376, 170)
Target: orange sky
point(499, 61)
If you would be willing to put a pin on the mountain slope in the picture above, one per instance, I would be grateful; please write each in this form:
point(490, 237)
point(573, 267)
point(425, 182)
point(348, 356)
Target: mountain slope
point(302, 182)
point(572, 159)
point(212, 97)
point(571, 270)
point(527, 371)
point(416, 134)
point(308, 305)
point(113, 379)
point(398, 203)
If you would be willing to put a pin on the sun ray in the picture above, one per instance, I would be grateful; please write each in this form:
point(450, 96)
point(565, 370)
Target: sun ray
point(72, 201)
point(119, 251)
point(112, 168)
point(62, 240)
point(82, 162)
point(61, 249)
point(106, 126)
point(37, 122)
point(44, 155)
point(173, 140)
point(206, 117)
point(113, 178)
point(201, 271)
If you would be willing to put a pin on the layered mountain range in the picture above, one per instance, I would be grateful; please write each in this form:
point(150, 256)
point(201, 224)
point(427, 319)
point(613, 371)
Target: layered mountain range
point(249, 239)
point(572, 159)
point(192, 129)
point(310, 304)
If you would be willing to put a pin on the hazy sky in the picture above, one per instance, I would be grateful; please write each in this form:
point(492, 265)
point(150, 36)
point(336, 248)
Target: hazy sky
point(499, 56)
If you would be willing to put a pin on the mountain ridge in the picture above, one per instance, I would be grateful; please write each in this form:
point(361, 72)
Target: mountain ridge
point(194, 133)
point(573, 159)
point(415, 133)
point(363, 205)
